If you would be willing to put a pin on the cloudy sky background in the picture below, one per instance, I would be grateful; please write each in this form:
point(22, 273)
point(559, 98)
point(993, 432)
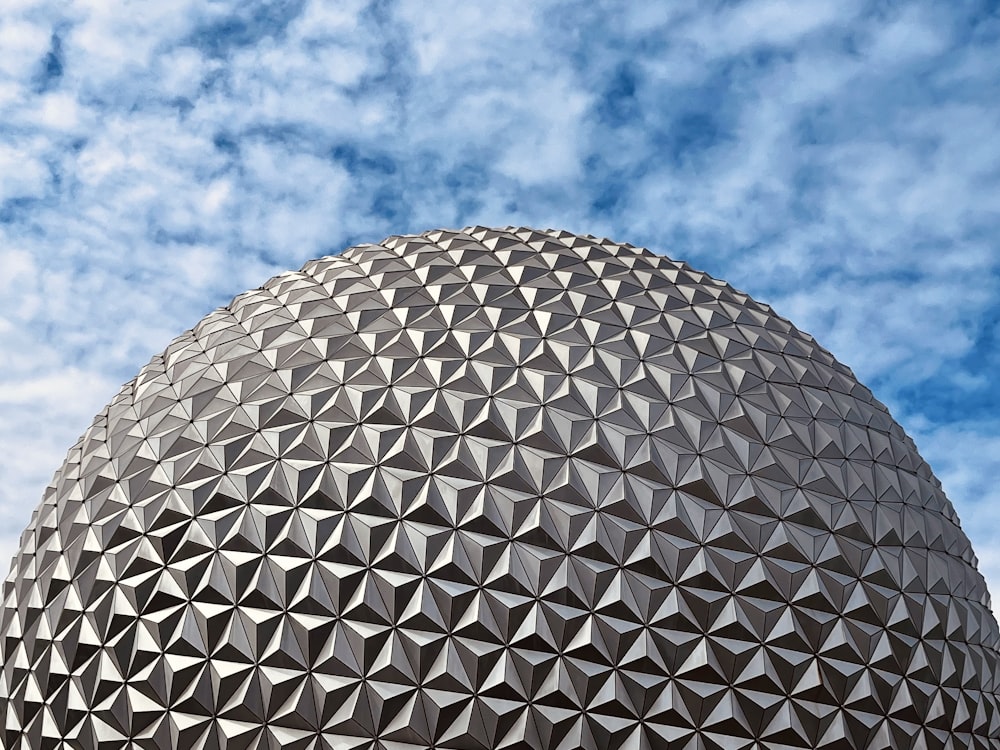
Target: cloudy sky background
point(838, 159)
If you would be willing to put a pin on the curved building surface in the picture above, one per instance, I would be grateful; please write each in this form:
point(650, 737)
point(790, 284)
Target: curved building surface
point(496, 489)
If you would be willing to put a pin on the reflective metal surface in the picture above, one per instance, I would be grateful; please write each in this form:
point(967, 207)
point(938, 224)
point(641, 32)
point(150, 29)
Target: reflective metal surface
point(496, 489)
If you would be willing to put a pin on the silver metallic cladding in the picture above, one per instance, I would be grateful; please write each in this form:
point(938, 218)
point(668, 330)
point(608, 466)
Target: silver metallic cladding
point(491, 489)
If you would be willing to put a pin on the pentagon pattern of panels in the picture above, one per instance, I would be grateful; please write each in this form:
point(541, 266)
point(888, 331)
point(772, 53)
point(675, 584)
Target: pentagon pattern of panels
point(496, 489)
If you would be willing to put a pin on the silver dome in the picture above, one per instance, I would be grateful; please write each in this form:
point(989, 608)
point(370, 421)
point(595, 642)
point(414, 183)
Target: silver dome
point(496, 489)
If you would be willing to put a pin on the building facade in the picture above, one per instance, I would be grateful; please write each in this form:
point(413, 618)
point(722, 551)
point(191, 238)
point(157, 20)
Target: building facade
point(489, 489)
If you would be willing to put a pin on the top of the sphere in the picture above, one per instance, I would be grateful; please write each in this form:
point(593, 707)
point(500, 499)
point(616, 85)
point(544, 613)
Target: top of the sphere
point(496, 488)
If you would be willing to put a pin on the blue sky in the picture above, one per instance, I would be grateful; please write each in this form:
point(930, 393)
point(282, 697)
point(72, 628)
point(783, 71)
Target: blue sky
point(838, 159)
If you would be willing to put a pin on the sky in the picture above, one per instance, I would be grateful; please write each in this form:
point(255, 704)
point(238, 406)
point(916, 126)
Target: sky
point(837, 159)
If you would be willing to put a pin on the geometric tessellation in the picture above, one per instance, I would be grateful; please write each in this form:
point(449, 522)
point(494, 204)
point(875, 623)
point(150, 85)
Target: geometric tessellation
point(496, 488)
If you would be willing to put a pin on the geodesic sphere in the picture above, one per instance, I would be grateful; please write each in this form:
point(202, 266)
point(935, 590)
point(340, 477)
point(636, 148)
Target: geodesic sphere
point(496, 489)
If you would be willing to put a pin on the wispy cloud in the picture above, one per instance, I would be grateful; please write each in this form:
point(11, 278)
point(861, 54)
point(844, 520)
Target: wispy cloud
point(836, 159)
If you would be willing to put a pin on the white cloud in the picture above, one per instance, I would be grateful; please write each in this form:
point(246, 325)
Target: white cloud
point(321, 21)
point(22, 45)
point(911, 35)
point(112, 43)
point(58, 111)
point(450, 35)
point(541, 142)
point(24, 174)
point(750, 24)
point(181, 71)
